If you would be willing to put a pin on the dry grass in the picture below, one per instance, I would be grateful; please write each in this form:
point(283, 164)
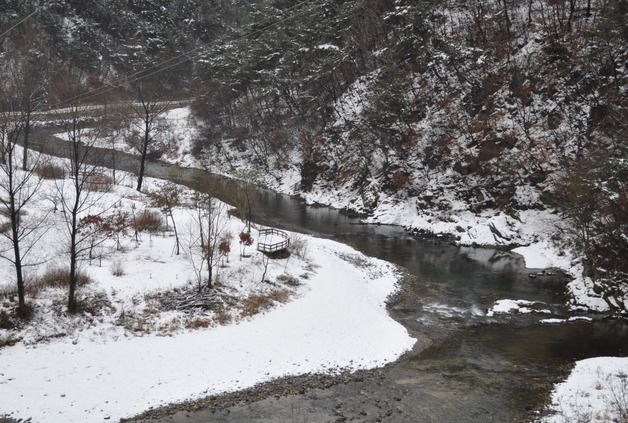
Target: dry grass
point(255, 304)
point(147, 220)
point(98, 183)
point(280, 295)
point(117, 269)
point(55, 277)
point(198, 323)
point(222, 317)
point(258, 303)
point(50, 171)
point(298, 245)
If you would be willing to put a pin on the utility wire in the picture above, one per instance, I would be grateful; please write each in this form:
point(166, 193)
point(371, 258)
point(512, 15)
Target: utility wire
point(20, 22)
point(180, 59)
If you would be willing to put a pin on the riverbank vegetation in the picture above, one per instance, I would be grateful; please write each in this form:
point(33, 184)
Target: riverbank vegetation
point(133, 271)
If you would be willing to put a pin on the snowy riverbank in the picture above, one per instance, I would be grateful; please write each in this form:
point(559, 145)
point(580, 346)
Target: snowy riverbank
point(595, 391)
point(339, 322)
point(534, 234)
point(127, 356)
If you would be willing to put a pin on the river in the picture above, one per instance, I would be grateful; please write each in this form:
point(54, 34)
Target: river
point(466, 367)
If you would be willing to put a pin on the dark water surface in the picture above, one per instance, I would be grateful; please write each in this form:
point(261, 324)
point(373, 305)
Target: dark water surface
point(474, 368)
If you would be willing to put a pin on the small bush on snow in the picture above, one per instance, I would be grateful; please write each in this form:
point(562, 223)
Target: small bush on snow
point(55, 277)
point(117, 269)
point(298, 246)
point(50, 171)
point(147, 220)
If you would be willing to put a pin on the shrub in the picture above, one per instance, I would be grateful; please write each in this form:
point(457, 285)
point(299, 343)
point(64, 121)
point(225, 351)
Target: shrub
point(50, 171)
point(198, 323)
point(98, 183)
point(400, 179)
point(298, 246)
point(117, 269)
point(222, 316)
point(5, 320)
point(280, 295)
point(56, 277)
point(147, 220)
point(255, 304)
point(246, 240)
point(224, 246)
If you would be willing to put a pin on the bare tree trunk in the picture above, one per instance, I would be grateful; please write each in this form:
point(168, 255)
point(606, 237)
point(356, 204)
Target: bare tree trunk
point(140, 176)
point(113, 165)
point(148, 111)
point(27, 130)
point(76, 175)
point(210, 244)
point(176, 234)
point(265, 261)
point(18, 257)
point(73, 260)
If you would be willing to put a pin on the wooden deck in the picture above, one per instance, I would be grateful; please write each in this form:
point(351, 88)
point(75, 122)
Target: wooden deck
point(272, 240)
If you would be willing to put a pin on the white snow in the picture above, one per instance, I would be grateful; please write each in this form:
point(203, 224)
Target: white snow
point(542, 255)
point(507, 306)
point(570, 319)
point(336, 320)
point(328, 47)
point(341, 322)
point(595, 391)
point(174, 134)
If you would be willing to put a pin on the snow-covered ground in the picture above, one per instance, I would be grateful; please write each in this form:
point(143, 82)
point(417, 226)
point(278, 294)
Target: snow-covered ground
point(173, 135)
point(340, 321)
point(595, 391)
point(129, 356)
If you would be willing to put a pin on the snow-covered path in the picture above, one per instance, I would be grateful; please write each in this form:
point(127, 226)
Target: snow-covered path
point(340, 321)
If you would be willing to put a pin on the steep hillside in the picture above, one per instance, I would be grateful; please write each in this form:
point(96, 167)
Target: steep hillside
point(443, 117)
point(111, 39)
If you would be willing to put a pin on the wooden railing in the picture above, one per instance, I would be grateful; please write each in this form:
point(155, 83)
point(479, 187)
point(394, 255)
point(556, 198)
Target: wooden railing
point(267, 247)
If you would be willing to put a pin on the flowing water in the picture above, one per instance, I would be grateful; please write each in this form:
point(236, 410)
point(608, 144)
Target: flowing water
point(466, 367)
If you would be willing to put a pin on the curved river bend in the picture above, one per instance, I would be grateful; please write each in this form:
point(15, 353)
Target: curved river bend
point(467, 367)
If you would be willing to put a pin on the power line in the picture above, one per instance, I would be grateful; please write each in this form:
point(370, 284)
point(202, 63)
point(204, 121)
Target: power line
point(20, 22)
point(181, 58)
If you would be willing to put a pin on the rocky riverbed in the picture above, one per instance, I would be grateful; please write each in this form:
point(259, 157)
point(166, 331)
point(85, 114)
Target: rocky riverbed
point(426, 385)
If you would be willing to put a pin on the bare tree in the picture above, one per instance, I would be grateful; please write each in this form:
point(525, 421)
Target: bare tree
point(265, 263)
point(244, 200)
point(114, 121)
point(147, 109)
point(17, 189)
point(76, 197)
point(167, 198)
point(25, 67)
point(211, 219)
